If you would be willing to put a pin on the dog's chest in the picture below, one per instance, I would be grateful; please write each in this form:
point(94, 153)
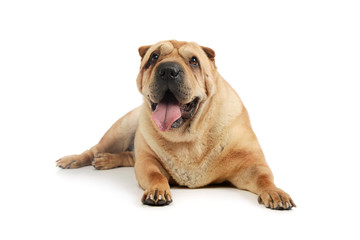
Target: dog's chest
point(188, 169)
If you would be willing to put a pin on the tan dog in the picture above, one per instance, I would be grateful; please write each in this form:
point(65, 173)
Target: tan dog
point(192, 130)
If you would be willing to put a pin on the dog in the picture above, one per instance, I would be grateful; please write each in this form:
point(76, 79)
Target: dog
point(192, 130)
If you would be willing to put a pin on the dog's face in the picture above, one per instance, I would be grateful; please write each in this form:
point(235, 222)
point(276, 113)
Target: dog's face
point(175, 78)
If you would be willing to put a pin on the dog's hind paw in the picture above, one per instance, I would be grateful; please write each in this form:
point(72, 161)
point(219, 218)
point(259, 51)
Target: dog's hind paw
point(73, 161)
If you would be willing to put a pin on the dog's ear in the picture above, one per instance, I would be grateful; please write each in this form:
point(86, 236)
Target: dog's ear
point(209, 52)
point(143, 49)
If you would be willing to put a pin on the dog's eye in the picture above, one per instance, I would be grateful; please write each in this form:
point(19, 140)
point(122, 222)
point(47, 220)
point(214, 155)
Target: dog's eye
point(154, 56)
point(194, 61)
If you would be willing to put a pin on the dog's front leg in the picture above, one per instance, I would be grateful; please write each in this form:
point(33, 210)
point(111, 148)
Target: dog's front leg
point(253, 174)
point(150, 176)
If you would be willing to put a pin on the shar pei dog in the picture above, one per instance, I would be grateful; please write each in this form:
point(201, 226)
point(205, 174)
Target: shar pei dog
point(192, 130)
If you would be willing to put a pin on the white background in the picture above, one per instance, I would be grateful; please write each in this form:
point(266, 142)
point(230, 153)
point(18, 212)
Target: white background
point(68, 70)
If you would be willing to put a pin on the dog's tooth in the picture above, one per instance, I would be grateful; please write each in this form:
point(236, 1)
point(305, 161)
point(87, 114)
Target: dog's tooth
point(151, 197)
point(160, 197)
point(287, 205)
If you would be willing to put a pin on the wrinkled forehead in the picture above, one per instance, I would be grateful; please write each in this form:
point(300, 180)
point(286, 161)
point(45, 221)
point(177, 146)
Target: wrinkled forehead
point(185, 50)
point(164, 48)
point(188, 50)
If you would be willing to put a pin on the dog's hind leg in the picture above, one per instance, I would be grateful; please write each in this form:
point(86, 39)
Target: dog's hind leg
point(103, 161)
point(76, 161)
point(118, 142)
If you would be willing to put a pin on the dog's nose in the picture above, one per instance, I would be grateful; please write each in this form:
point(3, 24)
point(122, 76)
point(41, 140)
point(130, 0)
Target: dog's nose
point(169, 70)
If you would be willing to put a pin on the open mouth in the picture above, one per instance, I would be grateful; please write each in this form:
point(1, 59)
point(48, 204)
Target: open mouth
point(170, 113)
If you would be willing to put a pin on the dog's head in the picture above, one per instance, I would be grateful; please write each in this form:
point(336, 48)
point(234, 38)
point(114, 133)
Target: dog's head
point(175, 78)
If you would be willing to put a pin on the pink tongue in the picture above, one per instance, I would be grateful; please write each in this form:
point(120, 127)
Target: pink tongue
point(165, 114)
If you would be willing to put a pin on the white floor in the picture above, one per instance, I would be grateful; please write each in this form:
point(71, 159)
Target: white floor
point(41, 201)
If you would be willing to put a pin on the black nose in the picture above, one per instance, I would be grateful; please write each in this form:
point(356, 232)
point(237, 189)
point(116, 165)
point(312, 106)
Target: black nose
point(169, 70)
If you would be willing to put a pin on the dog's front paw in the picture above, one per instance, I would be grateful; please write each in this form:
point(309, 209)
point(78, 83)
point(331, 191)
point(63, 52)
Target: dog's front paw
point(156, 197)
point(276, 199)
point(103, 161)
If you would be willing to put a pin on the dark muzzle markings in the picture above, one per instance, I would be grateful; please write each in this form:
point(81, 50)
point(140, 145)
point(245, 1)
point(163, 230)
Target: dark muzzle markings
point(171, 106)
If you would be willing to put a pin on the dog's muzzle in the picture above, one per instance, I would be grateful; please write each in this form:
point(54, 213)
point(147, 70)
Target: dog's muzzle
point(170, 76)
point(171, 102)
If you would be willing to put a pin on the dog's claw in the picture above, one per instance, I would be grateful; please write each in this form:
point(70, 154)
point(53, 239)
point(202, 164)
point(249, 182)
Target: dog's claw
point(156, 198)
point(276, 199)
point(149, 202)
